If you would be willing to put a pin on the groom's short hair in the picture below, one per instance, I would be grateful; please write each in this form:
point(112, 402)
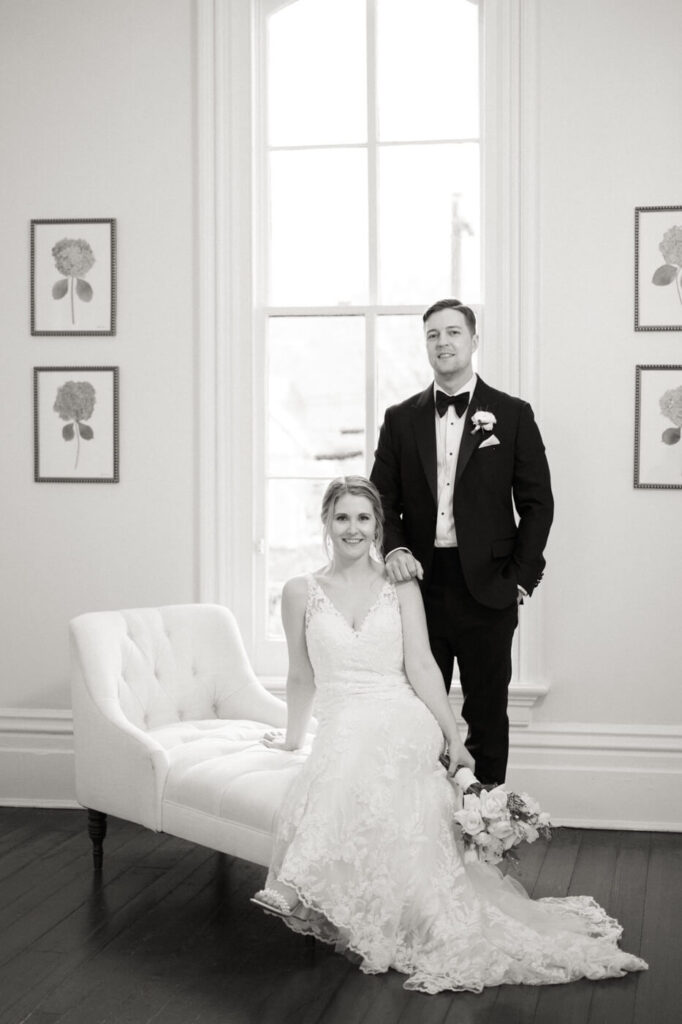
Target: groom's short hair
point(466, 311)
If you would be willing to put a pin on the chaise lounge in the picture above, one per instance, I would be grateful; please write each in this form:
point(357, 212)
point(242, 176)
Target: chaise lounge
point(168, 717)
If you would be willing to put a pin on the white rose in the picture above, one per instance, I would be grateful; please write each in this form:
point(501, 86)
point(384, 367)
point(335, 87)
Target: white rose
point(543, 818)
point(500, 829)
point(494, 802)
point(483, 420)
point(470, 820)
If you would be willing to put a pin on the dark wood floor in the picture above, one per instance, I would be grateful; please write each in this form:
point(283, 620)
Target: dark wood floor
point(167, 935)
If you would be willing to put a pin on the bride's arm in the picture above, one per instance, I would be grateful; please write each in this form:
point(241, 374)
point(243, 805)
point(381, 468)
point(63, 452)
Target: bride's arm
point(300, 678)
point(424, 674)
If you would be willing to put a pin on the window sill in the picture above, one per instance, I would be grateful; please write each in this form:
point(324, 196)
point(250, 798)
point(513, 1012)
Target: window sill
point(522, 698)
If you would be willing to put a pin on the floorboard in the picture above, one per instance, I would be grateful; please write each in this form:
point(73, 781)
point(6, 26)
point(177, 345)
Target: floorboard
point(659, 991)
point(593, 871)
point(96, 975)
point(167, 935)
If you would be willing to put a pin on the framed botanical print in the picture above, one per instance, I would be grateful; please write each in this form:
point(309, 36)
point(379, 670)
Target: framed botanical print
point(75, 417)
point(658, 426)
point(658, 268)
point(73, 277)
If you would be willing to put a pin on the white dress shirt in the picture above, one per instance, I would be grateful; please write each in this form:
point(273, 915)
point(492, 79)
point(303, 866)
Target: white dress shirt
point(449, 431)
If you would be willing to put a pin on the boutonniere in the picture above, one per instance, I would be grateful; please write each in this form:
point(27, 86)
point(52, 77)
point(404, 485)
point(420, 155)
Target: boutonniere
point(483, 420)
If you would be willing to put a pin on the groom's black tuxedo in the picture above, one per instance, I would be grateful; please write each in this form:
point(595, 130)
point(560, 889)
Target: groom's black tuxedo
point(470, 591)
point(495, 553)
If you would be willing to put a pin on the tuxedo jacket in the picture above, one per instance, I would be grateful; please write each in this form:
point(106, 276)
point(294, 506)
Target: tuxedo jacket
point(492, 480)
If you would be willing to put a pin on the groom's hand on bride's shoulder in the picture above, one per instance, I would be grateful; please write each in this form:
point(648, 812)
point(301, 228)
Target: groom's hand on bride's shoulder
point(401, 565)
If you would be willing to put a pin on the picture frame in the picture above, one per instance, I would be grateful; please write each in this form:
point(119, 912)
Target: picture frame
point(76, 424)
point(658, 268)
point(73, 277)
point(658, 427)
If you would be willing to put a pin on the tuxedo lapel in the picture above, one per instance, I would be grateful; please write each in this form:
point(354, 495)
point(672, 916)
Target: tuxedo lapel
point(481, 399)
point(425, 432)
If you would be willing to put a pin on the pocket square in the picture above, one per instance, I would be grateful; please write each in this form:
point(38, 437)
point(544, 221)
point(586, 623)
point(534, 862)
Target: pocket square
point(489, 442)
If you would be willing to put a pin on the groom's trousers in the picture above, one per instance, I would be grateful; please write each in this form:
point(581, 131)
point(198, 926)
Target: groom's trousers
point(480, 639)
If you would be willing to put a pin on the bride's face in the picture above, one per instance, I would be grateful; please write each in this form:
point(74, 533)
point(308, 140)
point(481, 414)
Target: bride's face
point(353, 526)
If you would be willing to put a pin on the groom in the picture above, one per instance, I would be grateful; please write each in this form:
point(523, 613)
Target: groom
point(452, 463)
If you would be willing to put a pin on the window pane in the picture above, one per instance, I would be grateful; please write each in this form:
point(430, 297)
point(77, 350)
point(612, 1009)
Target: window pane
point(317, 73)
point(294, 538)
point(427, 74)
point(429, 223)
point(318, 209)
point(316, 396)
point(402, 366)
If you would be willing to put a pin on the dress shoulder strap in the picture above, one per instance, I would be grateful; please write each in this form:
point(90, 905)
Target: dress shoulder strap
point(314, 599)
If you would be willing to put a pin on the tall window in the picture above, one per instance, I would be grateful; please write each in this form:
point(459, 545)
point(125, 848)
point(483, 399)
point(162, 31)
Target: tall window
point(370, 210)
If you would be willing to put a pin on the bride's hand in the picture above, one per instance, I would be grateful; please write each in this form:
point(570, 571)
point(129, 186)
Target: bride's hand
point(459, 757)
point(275, 739)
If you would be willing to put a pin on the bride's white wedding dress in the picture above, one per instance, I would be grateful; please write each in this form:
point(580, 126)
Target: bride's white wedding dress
point(367, 839)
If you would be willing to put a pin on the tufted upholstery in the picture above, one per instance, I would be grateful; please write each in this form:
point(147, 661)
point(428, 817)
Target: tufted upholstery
point(168, 716)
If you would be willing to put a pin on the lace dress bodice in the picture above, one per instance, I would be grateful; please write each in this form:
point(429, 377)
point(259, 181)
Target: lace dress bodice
point(367, 661)
point(362, 693)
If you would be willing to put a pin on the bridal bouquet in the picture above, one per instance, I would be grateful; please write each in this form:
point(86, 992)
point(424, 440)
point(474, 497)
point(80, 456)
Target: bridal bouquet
point(495, 821)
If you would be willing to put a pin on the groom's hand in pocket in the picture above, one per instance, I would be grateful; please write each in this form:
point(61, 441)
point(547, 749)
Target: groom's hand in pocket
point(401, 565)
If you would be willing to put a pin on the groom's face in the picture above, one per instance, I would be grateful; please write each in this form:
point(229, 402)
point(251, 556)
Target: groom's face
point(450, 346)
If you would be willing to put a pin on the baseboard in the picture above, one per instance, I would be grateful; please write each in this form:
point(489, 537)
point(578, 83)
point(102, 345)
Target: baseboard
point(586, 776)
point(44, 804)
point(602, 776)
point(36, 758)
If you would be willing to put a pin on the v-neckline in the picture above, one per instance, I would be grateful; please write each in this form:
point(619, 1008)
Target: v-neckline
point(334, 608)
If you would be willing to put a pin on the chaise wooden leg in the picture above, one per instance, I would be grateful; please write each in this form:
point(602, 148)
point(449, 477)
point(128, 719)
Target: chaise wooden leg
point(97, 829)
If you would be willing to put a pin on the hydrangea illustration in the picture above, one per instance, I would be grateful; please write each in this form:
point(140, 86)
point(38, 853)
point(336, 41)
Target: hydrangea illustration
point(671, 246)
point(671, 406)
point(671, 249)
point(73, 257)
point(75, 402)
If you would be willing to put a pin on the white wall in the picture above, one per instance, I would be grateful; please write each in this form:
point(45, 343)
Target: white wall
point(96, 107)
point(606, 741)
point(611, 139)
point(97, 113)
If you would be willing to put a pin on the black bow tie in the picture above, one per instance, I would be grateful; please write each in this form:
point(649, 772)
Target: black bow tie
point(460, 402)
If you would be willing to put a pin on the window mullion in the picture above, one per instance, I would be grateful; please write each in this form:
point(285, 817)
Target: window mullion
point(372, 153)
point(373, 233)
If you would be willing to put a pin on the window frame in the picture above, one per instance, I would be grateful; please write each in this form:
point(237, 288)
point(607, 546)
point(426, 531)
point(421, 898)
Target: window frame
point(230, 187)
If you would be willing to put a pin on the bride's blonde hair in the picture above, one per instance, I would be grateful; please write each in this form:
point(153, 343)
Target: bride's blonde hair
point(362, 488)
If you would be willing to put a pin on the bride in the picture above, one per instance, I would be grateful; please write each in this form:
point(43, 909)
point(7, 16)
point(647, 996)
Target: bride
point(366, 854)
